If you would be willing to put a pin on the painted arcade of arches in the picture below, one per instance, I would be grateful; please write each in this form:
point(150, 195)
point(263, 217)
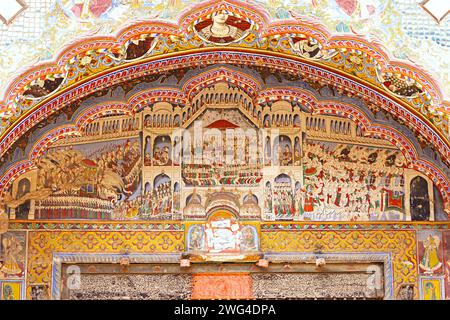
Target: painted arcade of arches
point(226, 136)
point(280, 163)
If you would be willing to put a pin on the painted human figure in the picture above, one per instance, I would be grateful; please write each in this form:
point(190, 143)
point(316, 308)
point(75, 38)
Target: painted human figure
point(8, 293)
point(248, 241)
point(287, 156)
point(309, 199)
point(147, 203)
point(283, 205)
point(430, 261)
point(337, 200)
point(176, 198)
point(430, 291)
point(220, 31)
point(161, 156)
point(196, 241)
point(11, 248)
point(298, 205)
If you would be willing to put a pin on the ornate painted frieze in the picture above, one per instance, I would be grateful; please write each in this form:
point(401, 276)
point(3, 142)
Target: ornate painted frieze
point(228, 31)
point(401, 244)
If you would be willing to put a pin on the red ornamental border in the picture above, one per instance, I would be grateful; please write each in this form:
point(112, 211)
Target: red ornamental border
point(317, 107)
point(297, 24)
point(133, 72)
point(284, 62)
point(100, 110)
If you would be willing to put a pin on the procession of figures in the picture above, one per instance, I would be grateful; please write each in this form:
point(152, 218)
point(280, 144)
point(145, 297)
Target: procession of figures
point(291, 176)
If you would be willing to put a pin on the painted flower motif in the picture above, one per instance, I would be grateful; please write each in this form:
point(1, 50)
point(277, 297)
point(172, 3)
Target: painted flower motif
point(140, 242)
point(355, 59)
point(90, 241)
point(115, 242)
point(166, 242)
point(356, 240)
point(41, 241)
point(66, 240)
point(39, 268)
point(86, 60)
point(333, 240)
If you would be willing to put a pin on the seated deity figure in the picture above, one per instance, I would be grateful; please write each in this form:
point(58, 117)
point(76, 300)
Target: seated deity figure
point(287, 157)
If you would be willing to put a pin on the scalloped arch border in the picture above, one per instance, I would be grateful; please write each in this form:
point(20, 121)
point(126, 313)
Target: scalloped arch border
point(275, 60)
point(323, 107)
point(267, 27)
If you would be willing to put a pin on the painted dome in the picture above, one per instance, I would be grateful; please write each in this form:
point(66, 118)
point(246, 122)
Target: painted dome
point(250, 206)
point(222, 199)
point(194, 206)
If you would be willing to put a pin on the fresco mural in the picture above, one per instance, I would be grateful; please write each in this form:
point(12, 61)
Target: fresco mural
point(148, 151)
point(157, 202)
point(446, 236)
point(283, 198)
point(297, 152)
point(218, 138)
point(268, 202)
point(123, 174)
point(432, 288)
point(40, 292)
point(24, 187)
point(88, 181)
point(282, 147)
point(345, 182)
point(11, 290)
point(162, 151)
point(176, 198)
point(307, 47)
point(430, 252)
point(222, 234)
point(177, 151)
point(227, 154)
point(419, 199)
point(12, 255)
point(162, 196)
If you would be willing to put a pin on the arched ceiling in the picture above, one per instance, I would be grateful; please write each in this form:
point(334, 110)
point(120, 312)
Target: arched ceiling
point(403, 27)
point(352, 65)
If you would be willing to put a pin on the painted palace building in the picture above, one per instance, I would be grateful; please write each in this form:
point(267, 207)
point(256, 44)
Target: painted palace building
point(224, 149)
